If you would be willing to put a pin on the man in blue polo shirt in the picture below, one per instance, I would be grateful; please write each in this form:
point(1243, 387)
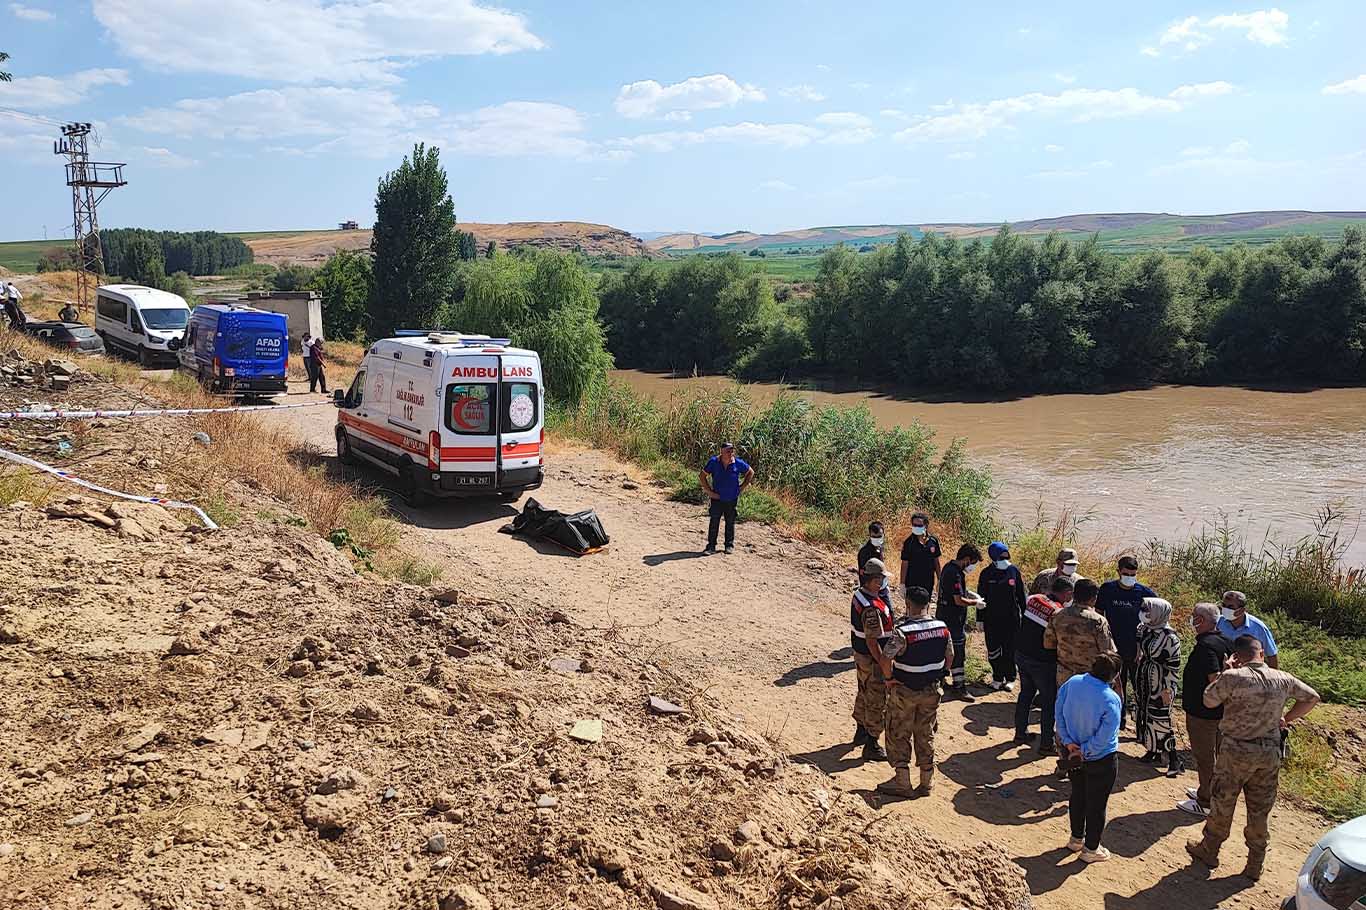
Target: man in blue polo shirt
point(723, 479)
point(1234, 620)
point(1121, 603)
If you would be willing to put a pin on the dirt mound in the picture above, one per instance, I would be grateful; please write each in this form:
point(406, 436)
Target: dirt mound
point(242, 719)
point(313, 247)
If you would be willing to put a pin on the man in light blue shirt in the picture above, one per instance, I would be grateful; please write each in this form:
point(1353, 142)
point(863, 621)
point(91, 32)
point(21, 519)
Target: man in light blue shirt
point(1087, 719)
point(1234, 620)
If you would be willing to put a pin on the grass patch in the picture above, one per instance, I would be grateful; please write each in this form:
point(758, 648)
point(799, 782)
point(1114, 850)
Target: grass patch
point(22, 484)
point(1316, 775)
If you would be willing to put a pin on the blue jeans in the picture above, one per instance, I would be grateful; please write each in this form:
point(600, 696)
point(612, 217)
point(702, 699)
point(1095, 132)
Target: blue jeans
point(1037, 677)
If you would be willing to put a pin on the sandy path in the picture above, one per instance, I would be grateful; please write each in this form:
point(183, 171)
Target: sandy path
point(767, 627)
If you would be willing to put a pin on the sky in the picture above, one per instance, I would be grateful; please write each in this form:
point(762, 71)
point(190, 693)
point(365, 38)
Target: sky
point(710, 116)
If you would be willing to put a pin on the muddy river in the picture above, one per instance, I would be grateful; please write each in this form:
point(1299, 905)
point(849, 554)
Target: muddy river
point(1136, 465)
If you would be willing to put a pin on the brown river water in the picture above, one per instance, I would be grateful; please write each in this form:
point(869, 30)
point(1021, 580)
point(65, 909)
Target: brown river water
point(1151, 463)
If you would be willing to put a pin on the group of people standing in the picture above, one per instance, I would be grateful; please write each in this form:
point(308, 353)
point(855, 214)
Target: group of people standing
point(1091, 657)
point(315, 361)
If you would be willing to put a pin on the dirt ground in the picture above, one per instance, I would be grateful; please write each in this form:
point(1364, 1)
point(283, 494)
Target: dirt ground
point(766, 630)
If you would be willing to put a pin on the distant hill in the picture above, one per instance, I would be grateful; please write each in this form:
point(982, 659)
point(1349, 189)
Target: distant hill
point(313, 247)
point(1121, 231)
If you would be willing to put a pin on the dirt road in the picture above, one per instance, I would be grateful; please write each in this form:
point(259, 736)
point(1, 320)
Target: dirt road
point(767, 626)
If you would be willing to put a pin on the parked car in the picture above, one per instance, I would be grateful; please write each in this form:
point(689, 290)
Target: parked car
point(69, 336)
point(1334, 875)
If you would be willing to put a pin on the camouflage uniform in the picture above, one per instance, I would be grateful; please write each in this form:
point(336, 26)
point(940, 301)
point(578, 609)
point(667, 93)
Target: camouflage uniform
point(870, 704)
point(1043, 582)
point(912, 718)
point(1253, 697)
point(1079, 634)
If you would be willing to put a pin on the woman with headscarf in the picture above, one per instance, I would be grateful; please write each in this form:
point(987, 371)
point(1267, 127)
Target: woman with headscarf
point(1159, 667)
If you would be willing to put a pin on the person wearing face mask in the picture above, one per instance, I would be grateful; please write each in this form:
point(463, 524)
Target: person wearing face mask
point(1120, 602)
point(870, 621)
point(873, 550)
point(1078, 633)
point(954, 600)
point(1038, 664)
point(1206, 661)
point(1234, 620)
point(1002, 589)
point(1067, 565)
point(920, 566)
point(1159, 663)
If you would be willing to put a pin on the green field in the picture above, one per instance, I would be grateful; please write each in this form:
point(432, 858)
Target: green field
point(22, 255)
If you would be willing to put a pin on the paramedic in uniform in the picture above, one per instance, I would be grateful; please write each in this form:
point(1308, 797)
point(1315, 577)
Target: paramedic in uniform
point(723, 479)
point(920, 565)
point(870, 628)
point(1002, 587)
point(954, 600)
point(1253, 696)
point(914, 662)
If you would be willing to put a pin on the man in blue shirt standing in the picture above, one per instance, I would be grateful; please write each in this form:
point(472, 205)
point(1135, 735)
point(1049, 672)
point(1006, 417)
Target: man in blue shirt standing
point(1087, 717)
point(723, 479)
point(1121, 603)
point(1234, 620)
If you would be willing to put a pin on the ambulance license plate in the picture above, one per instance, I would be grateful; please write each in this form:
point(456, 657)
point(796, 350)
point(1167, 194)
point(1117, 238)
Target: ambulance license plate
point(473, 480)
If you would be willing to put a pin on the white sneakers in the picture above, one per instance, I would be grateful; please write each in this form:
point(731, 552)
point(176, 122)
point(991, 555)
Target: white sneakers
point(1193, 807)
point(1193, 792)
point(1076, 844)
point(1098, 855)
point(1002, 686)
point(1009, 686)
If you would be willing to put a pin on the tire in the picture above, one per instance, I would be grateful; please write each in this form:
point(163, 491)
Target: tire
point(144, 358)
point(412, 494)
point(344, 453)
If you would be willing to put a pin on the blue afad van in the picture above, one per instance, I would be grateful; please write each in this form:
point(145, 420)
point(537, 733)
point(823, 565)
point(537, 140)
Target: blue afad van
point(236, 349)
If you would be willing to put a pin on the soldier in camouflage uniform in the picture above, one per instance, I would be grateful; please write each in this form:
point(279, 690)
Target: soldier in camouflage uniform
point(870, 622)
point(1078, 632)
point(1253, 697)
point(913, 663)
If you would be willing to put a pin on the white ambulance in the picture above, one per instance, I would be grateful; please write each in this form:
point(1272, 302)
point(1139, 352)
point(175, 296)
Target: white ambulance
point(448, 415)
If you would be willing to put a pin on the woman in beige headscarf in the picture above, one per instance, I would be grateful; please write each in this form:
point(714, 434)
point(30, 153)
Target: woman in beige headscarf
point(1159, 668)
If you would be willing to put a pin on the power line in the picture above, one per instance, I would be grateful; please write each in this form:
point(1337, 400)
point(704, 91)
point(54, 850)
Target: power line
point(25, 115)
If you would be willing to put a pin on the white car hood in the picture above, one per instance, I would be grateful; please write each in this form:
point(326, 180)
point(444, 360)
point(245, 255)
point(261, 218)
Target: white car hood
point(1348, 842)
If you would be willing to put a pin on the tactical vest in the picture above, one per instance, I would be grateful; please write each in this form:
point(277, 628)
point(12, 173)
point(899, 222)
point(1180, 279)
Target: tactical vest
point(921, 665)
point(860, 603)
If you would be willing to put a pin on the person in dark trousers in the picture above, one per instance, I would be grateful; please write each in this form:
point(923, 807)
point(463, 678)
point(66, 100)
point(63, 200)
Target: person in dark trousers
point(319, 365)
point(1207, 659)
point(1088, 729)
point(1121, 603)
point(920, 566)
point(873, 549)
point(723, 479)
point(1038, 665)
point(306, 347)
point(69, 313)
point(1002, 588)
point(954, 600)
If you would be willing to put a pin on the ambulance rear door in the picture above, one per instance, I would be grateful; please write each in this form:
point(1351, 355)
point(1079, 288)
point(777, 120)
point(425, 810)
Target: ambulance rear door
point(520, 419)
point(469, 429)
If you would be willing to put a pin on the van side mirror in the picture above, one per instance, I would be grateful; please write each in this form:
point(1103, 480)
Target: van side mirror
point(339, 398)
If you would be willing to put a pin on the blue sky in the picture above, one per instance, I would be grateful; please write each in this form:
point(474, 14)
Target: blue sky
point(278, 114)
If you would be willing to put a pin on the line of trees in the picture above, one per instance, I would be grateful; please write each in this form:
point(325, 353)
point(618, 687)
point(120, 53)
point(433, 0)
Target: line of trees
point(1010, 315)
point(128, 250)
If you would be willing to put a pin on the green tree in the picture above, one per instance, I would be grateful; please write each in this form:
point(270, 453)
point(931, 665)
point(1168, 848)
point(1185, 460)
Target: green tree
point(345, 283)
point(414, 243)
point(292, 278)
point(142, 263)
point(4, 76)
point(491, 250)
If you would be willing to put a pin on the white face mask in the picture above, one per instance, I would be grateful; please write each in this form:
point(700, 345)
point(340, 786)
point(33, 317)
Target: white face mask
point(918, 530)
point(1128, 581)
point(875, 541)
point(970, 567)
point(1002, 563)
point(1228, 613)
point(1068, 569)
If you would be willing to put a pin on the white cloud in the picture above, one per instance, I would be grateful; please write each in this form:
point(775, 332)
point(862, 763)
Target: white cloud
point(823, 67)
point(1238, 147)
point(648, 98)
point(372, 123)
point(975, 120)
point(307, 41)
point(944, 106)
point(844, 120)
point(892, 113)
point(1065, 78)
point(1267, 27)
point(30, 13)
point(1067, 173)
point(1150, 51)
point(886, 182)
point(1201, 90)
point(1235, 149)
point(785, 135)
point(846, 128)
point(966, 155)
point(1197, 151)
point(1052, 149)
point(164, 157)
point(802, 92)
point(1351, 86)
point(29, 146)
point(42, 92)
point(860, 86)
point(780, 186)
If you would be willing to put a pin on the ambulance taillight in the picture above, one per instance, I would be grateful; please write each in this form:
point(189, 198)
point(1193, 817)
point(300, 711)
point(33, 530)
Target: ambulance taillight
point(434, 450)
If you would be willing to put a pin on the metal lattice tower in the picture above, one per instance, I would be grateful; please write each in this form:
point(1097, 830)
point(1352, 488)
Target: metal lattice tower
point(90, 182)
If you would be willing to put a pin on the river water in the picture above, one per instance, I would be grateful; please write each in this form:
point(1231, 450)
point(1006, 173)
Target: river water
point(1151, 463)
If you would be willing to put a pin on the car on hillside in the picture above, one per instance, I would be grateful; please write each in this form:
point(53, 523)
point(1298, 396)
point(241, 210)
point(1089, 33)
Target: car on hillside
point(1334, 875)
point(72, 337)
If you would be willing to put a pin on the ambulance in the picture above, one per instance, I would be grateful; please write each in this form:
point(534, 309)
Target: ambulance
point(447, 415)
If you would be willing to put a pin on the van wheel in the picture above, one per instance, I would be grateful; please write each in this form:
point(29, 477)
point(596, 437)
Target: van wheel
point(412, 494)
point(344, 453)
point(144, 358)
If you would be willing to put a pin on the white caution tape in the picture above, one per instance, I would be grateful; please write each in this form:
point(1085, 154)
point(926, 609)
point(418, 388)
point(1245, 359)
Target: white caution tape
point(71, 478)
point(58, 414)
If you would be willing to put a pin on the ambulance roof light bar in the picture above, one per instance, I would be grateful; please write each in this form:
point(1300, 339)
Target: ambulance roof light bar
point(435, 337)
